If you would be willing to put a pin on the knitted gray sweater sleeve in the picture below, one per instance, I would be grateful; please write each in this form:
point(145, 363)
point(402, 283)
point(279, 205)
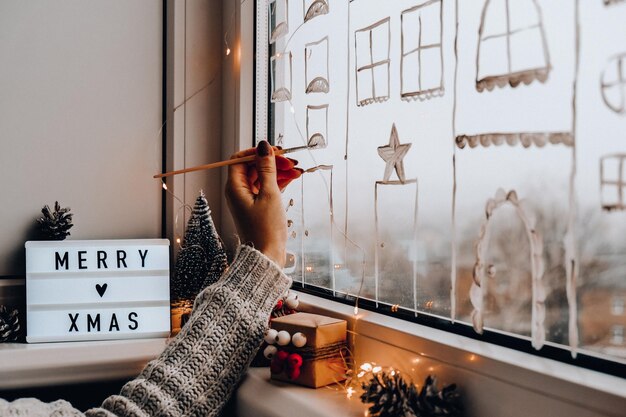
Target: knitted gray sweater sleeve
point(198, 371)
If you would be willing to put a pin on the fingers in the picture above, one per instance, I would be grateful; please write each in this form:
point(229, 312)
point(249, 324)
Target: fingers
point(283, 163)
point(266, 169)
point(238, 188)
point(283, 178)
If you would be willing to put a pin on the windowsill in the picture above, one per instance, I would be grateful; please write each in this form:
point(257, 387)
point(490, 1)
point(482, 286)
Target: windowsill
point(36, 365)
point(516, 373)
point(259, 396)
point(577, 386)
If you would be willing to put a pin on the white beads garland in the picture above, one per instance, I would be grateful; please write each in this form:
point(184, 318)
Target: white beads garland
point(283, 338)
point(270, 336)
point(298, 340)
point(292, 301)
point(270, 351)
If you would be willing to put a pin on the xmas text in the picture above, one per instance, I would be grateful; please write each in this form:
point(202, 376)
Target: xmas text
point(98, 322)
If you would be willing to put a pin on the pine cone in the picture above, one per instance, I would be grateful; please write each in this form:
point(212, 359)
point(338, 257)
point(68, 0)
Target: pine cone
point(55, 225)
point(391, 396)
point(10, 328)
point(435, 403)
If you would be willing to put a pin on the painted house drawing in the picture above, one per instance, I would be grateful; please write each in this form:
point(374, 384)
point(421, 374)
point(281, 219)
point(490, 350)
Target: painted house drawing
point(487, 96)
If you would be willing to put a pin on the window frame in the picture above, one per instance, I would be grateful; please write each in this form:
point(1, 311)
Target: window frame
point(259, 121)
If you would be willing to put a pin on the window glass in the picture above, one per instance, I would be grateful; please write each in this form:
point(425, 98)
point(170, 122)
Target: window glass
point(465, 164)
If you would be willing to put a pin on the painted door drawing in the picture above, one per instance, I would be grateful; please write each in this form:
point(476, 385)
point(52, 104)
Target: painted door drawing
point(396, 239)
point(317, 198)
point(484, 270)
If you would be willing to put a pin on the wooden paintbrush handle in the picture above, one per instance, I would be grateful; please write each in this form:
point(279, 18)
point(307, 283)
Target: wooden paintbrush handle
point(227, 162)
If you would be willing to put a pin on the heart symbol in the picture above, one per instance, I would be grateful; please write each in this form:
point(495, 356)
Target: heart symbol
point(101, 289)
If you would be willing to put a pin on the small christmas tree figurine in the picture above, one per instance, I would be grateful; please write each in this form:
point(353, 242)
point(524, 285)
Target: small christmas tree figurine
point(55, 225)
point(202, 258)
point(391, 395)
point(10, 328)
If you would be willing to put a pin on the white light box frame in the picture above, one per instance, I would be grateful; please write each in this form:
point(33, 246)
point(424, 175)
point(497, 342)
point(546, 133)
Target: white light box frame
point(97, 290)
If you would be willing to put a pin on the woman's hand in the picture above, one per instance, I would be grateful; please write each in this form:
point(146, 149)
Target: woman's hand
point(253, 196)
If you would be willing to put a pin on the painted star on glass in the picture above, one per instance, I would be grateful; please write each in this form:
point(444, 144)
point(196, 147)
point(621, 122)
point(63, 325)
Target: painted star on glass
point(393, 154)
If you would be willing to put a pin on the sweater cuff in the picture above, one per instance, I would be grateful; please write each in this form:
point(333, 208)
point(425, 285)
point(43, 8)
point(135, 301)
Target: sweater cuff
point(254, 273)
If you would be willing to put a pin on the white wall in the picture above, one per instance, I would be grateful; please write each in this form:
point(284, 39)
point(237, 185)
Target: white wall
point(80, 111)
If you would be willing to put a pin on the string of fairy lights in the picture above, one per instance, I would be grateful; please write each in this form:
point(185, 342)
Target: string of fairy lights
point(359, 373)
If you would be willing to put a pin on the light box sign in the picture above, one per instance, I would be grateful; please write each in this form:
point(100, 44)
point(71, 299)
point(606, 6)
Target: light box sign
point(97, 290)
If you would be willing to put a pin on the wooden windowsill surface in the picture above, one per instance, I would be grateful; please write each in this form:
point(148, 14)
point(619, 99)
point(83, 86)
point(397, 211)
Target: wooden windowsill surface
point(44, 364)
point(259, 396)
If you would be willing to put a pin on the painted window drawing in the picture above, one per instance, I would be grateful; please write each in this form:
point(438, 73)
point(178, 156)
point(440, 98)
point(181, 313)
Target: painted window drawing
point(483, 270)
point(422, 56)
point(314, 8)
point(372, 49)
point(281, 65)
point(613, 84)
point(279, 19)
point(317, 126)
point(512, 45)
point(316, 66)
point(613, 182)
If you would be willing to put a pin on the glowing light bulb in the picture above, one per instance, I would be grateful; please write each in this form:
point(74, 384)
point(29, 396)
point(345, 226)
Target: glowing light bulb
point(350, 392)
point(377, 369)
point(227, 51)
point(177, 240)
point(356, 310)
point(367, 367)
point(165, 186)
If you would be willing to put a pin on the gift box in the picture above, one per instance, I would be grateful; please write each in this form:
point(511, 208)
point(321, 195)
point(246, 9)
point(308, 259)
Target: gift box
point(310, 349)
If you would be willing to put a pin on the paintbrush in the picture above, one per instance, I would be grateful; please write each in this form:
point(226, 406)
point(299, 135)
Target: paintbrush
point(227, 162)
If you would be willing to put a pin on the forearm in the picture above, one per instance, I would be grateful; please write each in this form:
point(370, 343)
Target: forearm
point(198, 370)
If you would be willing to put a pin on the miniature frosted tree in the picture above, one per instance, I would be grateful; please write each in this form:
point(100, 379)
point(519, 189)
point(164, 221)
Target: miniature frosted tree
point(202, 258)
